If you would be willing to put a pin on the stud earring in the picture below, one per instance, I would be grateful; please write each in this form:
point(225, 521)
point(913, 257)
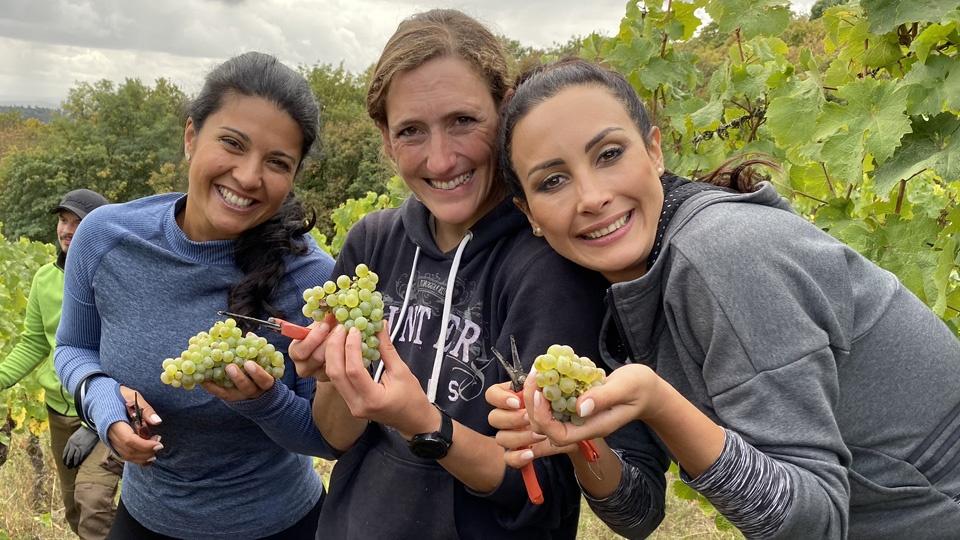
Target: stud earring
point(186, 155)
point(537, 231)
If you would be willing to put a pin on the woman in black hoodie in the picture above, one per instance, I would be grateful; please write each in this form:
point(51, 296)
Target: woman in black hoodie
point(460, 272)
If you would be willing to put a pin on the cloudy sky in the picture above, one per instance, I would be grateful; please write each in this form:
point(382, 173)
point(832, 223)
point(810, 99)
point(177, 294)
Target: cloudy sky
point(47, 46)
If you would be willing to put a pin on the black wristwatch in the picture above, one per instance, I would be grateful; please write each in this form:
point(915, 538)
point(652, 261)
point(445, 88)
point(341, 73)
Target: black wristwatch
point(434, 445)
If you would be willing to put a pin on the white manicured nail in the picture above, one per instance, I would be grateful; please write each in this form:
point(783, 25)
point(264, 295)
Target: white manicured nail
point(513, 403)
point(586, 407)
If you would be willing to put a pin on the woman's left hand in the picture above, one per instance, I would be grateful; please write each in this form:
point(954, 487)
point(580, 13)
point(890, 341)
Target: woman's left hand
point(249, 383)
point(397, 400)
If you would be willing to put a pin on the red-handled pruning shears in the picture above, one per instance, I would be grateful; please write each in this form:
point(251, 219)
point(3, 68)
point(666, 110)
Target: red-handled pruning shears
point(517, 378)
point(293, 331)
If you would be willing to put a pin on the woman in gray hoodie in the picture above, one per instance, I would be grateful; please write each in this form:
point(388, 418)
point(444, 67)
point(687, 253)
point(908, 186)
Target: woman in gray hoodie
point(801, 388)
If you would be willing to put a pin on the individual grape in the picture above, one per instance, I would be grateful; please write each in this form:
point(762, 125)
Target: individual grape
point(208, 352)
point(562, 377)
point(355, 303)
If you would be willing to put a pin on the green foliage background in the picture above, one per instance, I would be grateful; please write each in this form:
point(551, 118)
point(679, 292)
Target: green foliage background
point(860, 104)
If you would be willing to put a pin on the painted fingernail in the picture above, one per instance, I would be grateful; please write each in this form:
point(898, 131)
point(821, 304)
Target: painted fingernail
point(154, 419)
point(513, 403)
point(586, 407)
point(157, 447)
point(537, 399)
point(151, 460)
point(526, 455)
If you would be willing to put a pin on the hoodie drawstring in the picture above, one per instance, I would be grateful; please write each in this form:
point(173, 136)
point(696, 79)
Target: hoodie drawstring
point(447, 303)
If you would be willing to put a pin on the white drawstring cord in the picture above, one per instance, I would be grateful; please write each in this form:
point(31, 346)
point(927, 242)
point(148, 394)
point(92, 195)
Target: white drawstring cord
point(403, 309)
point(447, 301)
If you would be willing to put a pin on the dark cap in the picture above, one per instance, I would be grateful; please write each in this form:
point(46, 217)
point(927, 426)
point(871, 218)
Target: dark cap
point(81, 202)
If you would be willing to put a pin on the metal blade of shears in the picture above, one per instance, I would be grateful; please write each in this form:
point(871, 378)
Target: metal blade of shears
point(515, 383)
point(269, 324)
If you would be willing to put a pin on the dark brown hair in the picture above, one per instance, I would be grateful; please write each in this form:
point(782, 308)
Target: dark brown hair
point(543, 82)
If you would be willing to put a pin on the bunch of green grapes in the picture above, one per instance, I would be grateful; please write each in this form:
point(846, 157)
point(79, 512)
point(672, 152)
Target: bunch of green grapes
point(209, 352)
point(354, 302)
point(562, 376)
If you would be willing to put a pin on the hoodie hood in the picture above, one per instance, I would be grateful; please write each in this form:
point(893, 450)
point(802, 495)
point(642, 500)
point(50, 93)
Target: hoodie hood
point(502, 220)
point(637, 304)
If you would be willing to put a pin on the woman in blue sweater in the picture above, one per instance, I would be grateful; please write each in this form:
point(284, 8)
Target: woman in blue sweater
point(145, 276)
point(801, 388)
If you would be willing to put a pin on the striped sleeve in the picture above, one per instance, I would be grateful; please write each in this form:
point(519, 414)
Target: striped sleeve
point(749, 488)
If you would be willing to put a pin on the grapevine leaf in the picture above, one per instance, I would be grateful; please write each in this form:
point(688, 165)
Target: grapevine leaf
point(752, 17)
point(685, 492)
point(871, 120)
point(933, 86)
point(934, 144)
point(684, 12)
point(929, 38)
point(708, 116)
point(946, 262)
point(885, 15)
point(792, 118)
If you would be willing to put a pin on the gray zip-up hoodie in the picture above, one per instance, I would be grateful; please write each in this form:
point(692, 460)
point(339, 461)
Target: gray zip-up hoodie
point(815, 356)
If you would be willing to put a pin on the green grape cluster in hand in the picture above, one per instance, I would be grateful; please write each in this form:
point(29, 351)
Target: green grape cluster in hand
point(354, 302)
point(562, 376)
point(208, 353)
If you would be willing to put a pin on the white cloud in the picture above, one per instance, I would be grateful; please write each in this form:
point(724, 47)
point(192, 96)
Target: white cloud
point(46, 46)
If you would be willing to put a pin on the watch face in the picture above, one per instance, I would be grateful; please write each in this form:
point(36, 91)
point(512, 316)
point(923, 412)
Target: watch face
point(429, 446)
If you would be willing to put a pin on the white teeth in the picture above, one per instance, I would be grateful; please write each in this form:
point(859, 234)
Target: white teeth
point(233, 198)
point(608, 229)
point(458, 181)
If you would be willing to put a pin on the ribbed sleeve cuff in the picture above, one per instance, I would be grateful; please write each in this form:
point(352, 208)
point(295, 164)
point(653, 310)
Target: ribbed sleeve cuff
point(267, 404)
point(104, 404)
point(626, 508)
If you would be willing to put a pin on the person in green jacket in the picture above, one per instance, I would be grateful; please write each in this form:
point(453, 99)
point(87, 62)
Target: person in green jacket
point(88, 473)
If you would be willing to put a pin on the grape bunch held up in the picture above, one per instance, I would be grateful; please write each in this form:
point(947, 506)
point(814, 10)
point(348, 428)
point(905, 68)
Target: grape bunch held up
point(209, 352)
point(354, 302)
point(563, 376)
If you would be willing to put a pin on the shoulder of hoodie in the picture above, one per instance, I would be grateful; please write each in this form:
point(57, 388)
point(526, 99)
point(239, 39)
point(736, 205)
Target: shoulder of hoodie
point(721, 226)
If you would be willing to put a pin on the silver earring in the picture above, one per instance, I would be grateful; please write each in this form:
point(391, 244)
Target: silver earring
point(537, 231)
point(186, 155)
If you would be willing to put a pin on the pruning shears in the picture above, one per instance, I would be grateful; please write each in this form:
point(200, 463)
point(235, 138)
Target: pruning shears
point(517, 377)
point(136, 418)
point(284, 328)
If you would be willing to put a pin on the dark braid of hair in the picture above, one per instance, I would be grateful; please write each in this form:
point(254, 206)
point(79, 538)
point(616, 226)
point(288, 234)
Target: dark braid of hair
point(260, 254)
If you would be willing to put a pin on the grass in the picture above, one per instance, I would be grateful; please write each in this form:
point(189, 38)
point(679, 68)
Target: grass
point(22, 517)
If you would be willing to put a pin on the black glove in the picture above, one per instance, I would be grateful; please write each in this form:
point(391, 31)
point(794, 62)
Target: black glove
point(79, 446)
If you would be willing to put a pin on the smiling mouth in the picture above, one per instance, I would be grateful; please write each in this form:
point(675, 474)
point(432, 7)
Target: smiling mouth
point(452, 184)
point(609, 229)
point(233, 199)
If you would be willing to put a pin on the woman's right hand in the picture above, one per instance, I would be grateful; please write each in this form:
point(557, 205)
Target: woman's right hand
point(631, 392)
point(309, 354)
point(514, 432)
point(125, 441)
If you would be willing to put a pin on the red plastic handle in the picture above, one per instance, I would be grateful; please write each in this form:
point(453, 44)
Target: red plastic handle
point(534, 492)
point(293, 331)
point(589, 451)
